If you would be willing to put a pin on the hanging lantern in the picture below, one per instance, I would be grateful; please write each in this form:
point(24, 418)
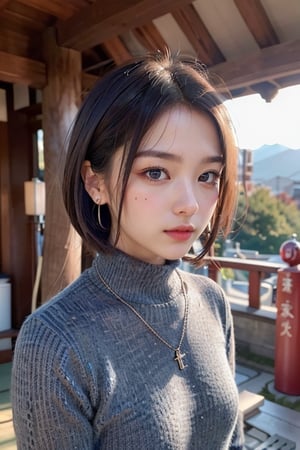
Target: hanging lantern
point(34, 192)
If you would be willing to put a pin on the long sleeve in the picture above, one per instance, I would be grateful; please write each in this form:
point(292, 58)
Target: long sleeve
point(50, 408)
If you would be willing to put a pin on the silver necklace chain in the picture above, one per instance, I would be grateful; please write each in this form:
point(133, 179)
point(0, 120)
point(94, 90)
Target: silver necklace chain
point(178, 356)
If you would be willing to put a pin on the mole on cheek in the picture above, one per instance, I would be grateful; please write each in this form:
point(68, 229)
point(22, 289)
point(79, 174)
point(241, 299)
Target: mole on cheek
point(136, 198)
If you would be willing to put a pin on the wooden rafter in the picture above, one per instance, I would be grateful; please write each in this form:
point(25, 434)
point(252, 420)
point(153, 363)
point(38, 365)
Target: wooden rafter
point(196, 32)
point(62, 10)
point(16, 69)
point(272, 62)
point(3, 4)
point(266, 90)
point(20, 17)
point(117, 50)
point(258, 22)
point(20, 44)
point(104, 20)
point(275, 62)
point(96, 28)
point(149, 36)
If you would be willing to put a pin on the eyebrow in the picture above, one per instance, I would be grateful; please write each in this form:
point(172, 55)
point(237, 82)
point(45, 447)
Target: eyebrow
point(177, 158)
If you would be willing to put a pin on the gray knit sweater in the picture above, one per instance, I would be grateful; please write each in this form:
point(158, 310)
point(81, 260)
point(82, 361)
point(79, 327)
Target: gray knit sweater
point(88, 374)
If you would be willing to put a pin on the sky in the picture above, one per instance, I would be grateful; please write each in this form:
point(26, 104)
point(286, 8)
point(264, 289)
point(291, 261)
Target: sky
point(257, 122)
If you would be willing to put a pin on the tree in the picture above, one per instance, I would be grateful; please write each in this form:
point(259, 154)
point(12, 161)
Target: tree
point(264, 222)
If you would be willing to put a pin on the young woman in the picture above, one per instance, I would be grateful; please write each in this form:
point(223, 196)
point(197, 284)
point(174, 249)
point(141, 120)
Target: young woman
point(137, 354)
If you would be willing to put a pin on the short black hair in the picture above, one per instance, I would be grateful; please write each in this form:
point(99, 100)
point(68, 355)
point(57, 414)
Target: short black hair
point(118, 112)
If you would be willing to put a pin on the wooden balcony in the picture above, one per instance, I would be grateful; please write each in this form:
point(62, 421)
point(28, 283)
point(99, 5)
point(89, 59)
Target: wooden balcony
point(258, 270)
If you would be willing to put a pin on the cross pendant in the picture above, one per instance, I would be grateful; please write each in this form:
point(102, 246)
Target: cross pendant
point(179, 358)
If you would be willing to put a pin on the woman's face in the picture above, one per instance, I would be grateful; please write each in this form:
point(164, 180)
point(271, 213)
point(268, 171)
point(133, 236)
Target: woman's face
point(172, 190)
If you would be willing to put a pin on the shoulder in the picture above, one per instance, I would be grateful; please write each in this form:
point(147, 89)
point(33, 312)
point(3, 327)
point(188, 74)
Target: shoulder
point(207, 292)
point(67, 315)
point(70, 300)
point(59, 333)
point(202, 283)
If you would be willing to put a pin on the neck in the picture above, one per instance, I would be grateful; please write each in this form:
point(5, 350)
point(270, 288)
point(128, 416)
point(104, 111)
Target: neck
point(137, 280)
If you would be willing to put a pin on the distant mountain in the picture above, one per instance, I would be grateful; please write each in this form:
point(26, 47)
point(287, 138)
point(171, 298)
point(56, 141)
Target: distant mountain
point(275, 161)
point(267, 151)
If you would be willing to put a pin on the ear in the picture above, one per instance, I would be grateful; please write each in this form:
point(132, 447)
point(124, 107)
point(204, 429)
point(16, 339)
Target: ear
point(94, 184)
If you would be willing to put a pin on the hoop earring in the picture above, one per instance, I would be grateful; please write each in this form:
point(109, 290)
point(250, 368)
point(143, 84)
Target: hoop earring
point(208, 228)
point(99, 217)
point(207, 231)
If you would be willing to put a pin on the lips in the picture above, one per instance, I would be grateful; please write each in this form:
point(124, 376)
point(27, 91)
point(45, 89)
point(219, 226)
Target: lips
point(181, 233)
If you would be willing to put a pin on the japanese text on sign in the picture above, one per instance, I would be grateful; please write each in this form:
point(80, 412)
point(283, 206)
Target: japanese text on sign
point(286, 308)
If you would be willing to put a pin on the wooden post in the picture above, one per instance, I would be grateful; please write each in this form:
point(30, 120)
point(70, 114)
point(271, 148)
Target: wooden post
point(61, 97)
point(17, 238)
point(5, 219)
point(254, 289)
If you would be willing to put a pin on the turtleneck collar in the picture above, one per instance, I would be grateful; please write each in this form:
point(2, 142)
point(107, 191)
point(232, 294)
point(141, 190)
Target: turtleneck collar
point(137, 281)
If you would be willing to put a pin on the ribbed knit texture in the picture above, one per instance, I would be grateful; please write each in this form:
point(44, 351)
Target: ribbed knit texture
point(88, 374)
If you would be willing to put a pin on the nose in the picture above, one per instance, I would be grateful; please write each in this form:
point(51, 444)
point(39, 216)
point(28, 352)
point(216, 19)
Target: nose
point(186, 203)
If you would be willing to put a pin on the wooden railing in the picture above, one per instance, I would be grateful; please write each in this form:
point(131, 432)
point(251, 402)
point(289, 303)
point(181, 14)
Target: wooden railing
point(257, 272)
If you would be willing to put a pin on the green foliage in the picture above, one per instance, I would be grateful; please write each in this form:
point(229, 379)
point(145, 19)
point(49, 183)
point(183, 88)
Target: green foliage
point(244, 355)
point(283, 401)
point(264, 222)
point(227, 273)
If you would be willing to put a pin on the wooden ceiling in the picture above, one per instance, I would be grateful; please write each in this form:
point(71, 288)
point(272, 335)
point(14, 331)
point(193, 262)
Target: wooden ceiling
point(249, 45)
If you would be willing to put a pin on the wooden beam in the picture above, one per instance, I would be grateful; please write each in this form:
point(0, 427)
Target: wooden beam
point(116, 50)
point(3, 4)
point(17, 69)
point(258, 22)
point(103, 20)
point(196, 32)
point(272, 63)
point(22, 18)
point(268, 64)
point(266, 90)
point(20, 44)
point(62, 10)
point(290, 80)
point(32, 110)
point(149, 36)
